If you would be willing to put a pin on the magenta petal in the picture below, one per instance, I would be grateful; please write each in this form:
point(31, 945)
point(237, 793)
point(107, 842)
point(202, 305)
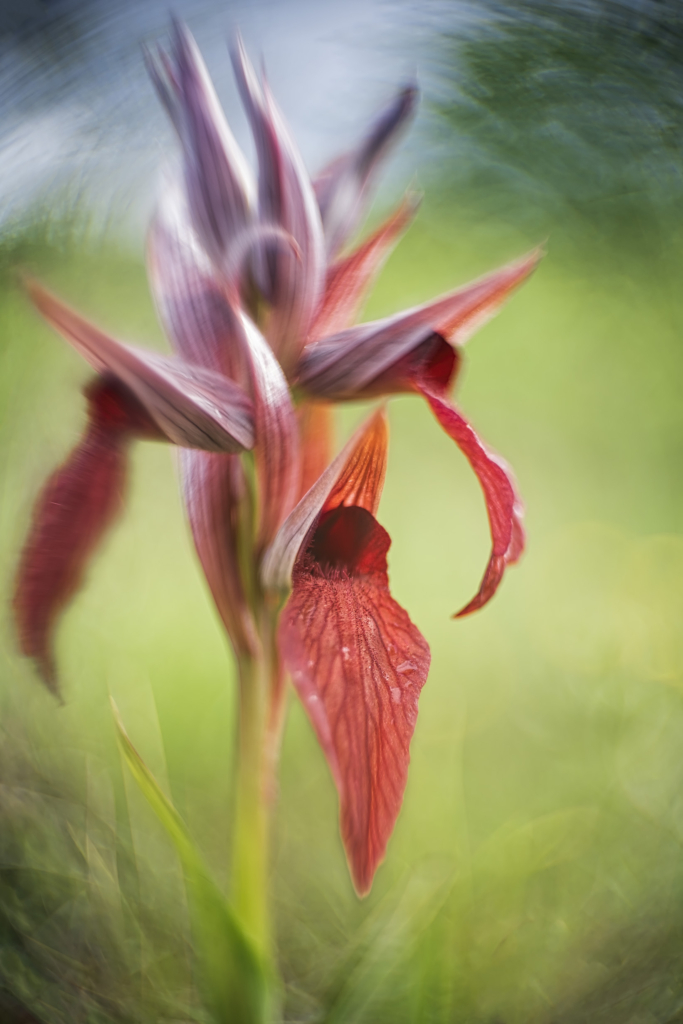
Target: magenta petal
point(342, 188)
point(218, 182)
point(193, 407)
point(504, 507)
point(291, 281)
point(358, 664)
point(214, 487)
point(76, 507)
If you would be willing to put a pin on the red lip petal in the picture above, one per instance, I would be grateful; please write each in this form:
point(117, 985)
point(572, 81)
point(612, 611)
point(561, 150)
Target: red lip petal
point(358, 664)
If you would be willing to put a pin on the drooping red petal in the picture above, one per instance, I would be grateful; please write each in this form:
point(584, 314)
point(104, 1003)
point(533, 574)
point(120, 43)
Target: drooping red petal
point(314, 421)
point(349, 279)
point(276, 451)
point(78, 504)
point(342, 188)
point(504, 507)
point(355, 477)
point(217, 178)
point(292, 282)
point(194, 407)
point(358, 665)
point(347, 365)
point(213, 487)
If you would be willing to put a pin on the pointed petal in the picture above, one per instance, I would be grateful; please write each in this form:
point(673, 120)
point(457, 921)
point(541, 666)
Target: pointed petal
point(276, 452)
point(191, 301)
point(194, 407)
point(504, 507)
point(218, 181)
point(77, 505)
point(213, 488)
point(349, 364)
point(314, 421)
point(291, 283)
point(349, 279)
point(358, 665)
point(343, 187)
point(355, 477)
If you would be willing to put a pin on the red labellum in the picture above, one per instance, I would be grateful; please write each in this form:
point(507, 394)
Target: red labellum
point(356, 660)
point(358, 664)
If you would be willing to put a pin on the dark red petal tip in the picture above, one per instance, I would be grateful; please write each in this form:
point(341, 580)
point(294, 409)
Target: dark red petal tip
point(77, 505)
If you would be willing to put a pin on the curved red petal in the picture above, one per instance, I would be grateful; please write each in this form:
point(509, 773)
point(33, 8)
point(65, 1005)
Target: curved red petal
point(504, 507)
point(78, 504)
point(358, 664)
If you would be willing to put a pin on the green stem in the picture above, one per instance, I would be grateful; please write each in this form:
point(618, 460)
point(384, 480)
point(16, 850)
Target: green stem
point(251, 823)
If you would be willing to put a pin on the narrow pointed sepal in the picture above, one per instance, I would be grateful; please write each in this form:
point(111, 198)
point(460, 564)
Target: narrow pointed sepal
point(219, 187)
point(355, 658)
point(503, 504)
point(343, 187)
point(290, 279)
point(349, 279)
point(78, 504)
point(192, 406)
point(370, 359)
point(191, 299)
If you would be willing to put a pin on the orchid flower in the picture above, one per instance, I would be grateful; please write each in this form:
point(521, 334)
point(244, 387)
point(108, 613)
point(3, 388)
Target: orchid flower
point(258, 296)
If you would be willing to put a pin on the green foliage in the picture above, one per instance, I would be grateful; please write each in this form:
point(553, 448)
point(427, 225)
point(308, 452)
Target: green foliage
point(234, 979)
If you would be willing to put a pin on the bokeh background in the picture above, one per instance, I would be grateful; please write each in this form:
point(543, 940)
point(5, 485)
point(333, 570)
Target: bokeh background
point(536, 872)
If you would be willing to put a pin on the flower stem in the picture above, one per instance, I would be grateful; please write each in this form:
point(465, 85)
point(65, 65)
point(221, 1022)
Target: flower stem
point(251, 810)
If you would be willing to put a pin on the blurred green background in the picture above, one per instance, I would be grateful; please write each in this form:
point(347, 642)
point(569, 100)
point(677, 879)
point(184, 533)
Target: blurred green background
point(536, 871)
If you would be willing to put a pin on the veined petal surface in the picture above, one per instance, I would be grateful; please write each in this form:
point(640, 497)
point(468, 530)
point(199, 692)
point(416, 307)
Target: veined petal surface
point(191, 300)
point(356, 660)
point(193, 407)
